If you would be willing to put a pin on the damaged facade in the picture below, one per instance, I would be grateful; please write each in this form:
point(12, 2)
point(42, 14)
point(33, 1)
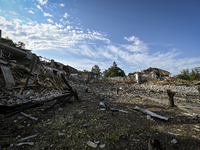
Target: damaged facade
point(149, 74)
point(87, 76)
point(155, 73)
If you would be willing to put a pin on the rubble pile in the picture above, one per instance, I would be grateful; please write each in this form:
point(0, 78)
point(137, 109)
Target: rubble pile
point(32, 84)
point(40, 85)
point(173, 81)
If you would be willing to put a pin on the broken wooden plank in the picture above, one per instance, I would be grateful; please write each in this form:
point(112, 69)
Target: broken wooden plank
point(150, 113)
point(67, 84)
point(29, 116)
point(24, 108)
point(55, 85)
point(32, 65)
point(21, 89)
point(59, 101)
point(13, 50)
point(7, 92)
point(8, 77)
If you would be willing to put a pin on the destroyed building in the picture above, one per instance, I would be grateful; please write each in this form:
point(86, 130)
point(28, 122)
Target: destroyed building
point(16, 63)
point(155, 73)
point(87, 76)
point(70, 70)
point(149, 74)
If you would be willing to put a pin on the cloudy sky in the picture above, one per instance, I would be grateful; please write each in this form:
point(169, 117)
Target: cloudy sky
point(137, 34)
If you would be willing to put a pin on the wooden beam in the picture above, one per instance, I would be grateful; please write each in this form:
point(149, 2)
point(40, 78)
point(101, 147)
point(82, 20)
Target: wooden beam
point(8, 77)
point(13, 50)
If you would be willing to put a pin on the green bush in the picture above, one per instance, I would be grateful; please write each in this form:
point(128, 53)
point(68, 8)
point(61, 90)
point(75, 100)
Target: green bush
point(187, 75)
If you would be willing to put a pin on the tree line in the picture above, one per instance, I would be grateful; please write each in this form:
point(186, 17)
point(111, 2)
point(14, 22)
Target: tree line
point(113, 71)
point(185, 74)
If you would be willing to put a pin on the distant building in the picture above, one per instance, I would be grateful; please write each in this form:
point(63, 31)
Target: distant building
point(149, 74)
point(155, 73)
point(87, 76)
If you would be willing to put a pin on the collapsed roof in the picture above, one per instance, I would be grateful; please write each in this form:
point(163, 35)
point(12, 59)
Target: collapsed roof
point(156, 70)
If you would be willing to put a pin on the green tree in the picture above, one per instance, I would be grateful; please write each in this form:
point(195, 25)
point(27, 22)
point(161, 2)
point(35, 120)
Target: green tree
point(106, 73)
point(114, 71)
point(187, 75)
point(96, 69)
point(129, 74)
point(194, 74)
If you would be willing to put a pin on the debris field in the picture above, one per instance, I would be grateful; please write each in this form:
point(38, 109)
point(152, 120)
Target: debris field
point(57, 119)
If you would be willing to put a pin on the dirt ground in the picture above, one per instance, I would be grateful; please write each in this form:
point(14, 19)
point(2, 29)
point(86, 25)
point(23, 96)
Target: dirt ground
point(72, 126)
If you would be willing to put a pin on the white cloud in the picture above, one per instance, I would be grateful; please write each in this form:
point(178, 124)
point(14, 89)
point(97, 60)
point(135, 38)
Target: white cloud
point(47, 14)
point(86, 50)
point(137, 46)
point(79, 63)
point(69, 27)
point(12, 12)
point(65, 22)
point(113, 48)
point(17, 21)
point(131, 39)
point(54, 5)
point(39, 7)
point(42, 2)
point(30, 11)
point(49, 20)
point(106, 54)
point(59, 25)
point(62, 5)
point(93, 45)
point(65, 15)
point(4, 22)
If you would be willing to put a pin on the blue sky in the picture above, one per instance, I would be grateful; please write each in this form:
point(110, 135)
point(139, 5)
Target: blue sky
point(136, 34)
